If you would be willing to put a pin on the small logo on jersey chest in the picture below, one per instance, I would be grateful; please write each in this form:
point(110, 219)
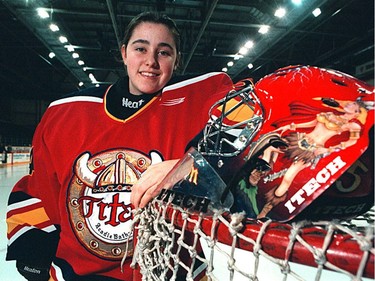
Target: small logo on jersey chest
point(132, 104)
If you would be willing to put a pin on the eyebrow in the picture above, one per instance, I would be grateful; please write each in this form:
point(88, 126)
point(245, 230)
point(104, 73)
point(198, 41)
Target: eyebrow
point(161, 44)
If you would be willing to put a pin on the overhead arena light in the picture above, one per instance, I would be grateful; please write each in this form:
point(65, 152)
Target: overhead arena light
point(297, 2)
point(264, 29)
point(237, 57)
point(316, 12)
point(280, 12)
point(63, 39)
point(54, 27)
point(249, 44)
point(70, 48)
point(42, 13)
point(92, 78)
point(243, 51)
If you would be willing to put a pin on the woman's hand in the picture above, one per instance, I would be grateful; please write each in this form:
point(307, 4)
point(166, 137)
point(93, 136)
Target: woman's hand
point(322, 151)
point(147, 186)
point(281, 130)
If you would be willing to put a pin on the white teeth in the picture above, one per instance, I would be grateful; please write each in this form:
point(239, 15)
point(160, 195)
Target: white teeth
point(149, 74)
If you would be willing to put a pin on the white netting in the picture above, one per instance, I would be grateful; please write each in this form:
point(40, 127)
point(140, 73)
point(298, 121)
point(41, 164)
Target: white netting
point(170, 241)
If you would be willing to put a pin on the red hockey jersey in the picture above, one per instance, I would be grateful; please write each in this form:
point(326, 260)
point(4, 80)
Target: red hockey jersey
point(85, 160)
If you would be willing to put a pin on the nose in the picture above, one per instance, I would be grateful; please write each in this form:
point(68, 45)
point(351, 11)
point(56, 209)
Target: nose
point(151, 60)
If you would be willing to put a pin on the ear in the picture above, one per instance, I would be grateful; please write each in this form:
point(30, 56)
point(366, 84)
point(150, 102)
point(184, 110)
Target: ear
point(177, 62)
point(123, 53)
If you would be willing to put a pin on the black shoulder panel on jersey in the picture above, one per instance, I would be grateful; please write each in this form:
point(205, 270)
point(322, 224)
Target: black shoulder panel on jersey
point(16, 197)
point(35, 246)
point(69, 273)
point(97, 92)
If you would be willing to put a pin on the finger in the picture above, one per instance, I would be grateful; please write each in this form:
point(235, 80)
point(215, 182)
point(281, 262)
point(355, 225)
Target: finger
point(136, 195)
point(144, 200)
point(144, 184)
point(148, 196)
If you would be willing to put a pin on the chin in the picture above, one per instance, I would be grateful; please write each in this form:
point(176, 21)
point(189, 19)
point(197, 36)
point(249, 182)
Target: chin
point(149, 91)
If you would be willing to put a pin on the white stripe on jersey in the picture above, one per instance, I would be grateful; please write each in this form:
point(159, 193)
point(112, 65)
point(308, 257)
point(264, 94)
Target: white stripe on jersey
point(22, 204)
point(59, 275)
point(75, 99)
point(191, 81)
point(27, 228)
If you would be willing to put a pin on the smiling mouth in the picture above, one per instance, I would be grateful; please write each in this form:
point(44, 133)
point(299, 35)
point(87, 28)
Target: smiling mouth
point(148, 74)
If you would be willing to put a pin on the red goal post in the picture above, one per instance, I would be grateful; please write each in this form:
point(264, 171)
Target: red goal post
point(344, 248)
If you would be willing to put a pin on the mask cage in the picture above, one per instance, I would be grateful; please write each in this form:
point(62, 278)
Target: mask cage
point(225, 136)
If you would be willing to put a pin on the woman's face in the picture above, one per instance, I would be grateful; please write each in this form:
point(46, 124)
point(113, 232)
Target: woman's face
point(150, 57)
point(352, 108)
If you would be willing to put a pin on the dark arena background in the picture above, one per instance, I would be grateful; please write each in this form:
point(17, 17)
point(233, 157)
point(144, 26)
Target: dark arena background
point(49, 48)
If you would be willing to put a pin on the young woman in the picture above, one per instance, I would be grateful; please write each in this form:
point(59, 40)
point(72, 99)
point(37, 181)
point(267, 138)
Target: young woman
point(70, 218)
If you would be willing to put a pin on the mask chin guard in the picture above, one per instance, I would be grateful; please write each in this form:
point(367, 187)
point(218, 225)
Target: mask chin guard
point(194, 185)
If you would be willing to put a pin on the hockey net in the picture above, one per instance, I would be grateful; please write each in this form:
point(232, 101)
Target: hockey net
point(236, 248)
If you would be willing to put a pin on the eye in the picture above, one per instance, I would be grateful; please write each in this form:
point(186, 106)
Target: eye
point(140, 49)
point(164, 53)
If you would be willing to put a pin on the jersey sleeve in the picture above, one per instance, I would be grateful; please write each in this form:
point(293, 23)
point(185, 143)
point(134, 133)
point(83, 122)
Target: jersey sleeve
point(33, 232)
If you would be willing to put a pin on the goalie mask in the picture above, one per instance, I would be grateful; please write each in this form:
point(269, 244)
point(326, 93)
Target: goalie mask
point(299, 142)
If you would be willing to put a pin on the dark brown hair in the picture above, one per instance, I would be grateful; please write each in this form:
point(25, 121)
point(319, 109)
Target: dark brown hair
point(158, 18)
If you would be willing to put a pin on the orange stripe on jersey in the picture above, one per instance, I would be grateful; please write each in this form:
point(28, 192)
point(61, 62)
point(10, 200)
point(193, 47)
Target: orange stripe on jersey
point(24, 208)
point(33, 217)
point(43, 226)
